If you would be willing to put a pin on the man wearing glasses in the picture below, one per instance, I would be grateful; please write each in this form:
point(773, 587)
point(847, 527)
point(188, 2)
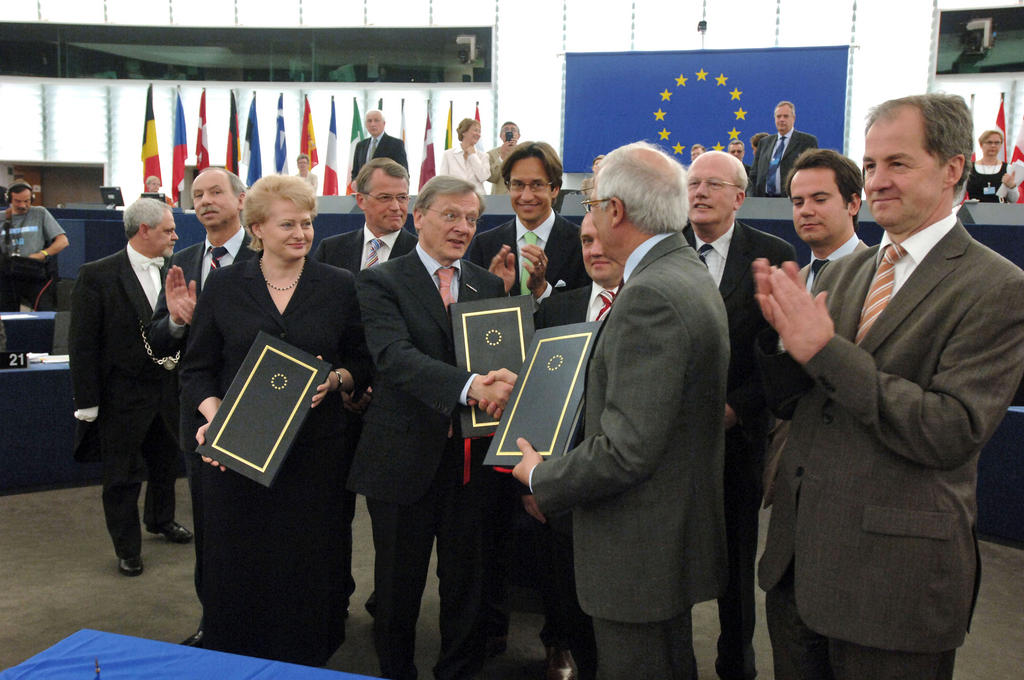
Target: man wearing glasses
point(717, 187)
point(539, 250)
point(383, 196)
point(421, 479)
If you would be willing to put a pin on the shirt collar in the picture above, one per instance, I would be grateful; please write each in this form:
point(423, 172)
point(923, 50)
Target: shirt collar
point(720, 244)
point(920, 244)
point(638, 254)
point(433, 265)
point(543, 231)
point(389, 238)
point(233, 244)
point(843, 250)
point(138, 260)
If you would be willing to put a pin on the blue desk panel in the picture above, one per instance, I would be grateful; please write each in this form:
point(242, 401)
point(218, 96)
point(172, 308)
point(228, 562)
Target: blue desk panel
point(29, 331)
point(122, 657)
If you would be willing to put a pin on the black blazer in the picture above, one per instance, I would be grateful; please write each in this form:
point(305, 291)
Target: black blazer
point(798, 142)
point(322, 318)
point(190, 260)
point(565, 254)
point(109, 364)
point(388, 147)
point(744, 389)
point(558, 310)
point(417, 385)
point(345, 251)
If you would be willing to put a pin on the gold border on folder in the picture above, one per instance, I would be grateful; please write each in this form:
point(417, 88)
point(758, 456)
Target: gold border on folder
point(291, 416)
point(469, 360)
point(524, 378)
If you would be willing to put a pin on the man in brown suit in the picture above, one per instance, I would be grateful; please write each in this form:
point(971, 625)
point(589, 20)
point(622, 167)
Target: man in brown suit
point(871, 560)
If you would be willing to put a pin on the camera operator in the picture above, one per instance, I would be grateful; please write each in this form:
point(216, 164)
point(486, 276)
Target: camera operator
point(31, 238)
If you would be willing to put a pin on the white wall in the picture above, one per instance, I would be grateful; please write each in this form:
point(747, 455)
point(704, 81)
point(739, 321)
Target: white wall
point(101, 120)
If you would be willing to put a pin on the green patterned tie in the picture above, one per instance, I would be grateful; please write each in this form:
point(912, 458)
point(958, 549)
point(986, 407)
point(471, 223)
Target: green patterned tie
point(524, 275)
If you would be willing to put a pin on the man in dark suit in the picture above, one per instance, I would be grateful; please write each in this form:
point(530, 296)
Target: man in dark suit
point(895, 376)
point(538, 251)
point(645, 485)
point(383, 196)
point(419, 477)
point(378, 145)
point(739, 150)
point(776, 153)
point(728, 248)
point(217, 195)
point(121, 386)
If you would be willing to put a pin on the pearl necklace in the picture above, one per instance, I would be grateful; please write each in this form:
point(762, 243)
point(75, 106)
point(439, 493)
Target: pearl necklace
point(288, 287)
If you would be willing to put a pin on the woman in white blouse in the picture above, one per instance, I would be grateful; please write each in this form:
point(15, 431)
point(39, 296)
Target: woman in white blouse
point(465, 161)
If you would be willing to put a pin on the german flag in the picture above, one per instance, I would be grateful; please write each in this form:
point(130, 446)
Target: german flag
point(231, 159)
point(150, 153)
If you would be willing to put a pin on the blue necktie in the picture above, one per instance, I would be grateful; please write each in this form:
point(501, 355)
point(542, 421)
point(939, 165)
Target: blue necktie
point(772, 187)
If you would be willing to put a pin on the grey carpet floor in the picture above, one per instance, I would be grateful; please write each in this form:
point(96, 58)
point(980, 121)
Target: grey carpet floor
point(58, 575)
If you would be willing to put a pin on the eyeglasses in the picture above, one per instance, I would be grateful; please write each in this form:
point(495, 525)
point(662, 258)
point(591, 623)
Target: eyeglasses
point(387, 198)
point(588, 204)
point(713, 184)
point(453, 217)
point(536, 186)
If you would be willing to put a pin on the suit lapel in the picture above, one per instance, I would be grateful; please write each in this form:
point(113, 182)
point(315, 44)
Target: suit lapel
point(557, 248)
point(133, 289)
point(193, 268)
point(256, 288)
point(737, 264)
point(415, 277)
point(941, 262)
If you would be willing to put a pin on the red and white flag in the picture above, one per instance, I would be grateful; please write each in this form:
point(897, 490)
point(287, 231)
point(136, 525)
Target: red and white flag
point(1001, 126)
point(202, 142)
point(1017, 159)
point(427, 168)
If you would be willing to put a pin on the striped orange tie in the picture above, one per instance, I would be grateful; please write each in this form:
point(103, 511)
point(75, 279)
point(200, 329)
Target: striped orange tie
point(880, 291)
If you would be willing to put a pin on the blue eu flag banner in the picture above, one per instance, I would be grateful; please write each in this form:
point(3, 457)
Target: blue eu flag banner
point(709, 97)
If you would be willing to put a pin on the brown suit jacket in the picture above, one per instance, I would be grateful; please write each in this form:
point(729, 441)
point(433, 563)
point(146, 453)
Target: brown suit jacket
point(884, 445)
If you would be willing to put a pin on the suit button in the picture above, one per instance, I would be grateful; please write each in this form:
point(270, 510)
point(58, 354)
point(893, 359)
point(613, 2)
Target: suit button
point(826, 384)
point(800, 471)
point(826, 418)
point(284, 335)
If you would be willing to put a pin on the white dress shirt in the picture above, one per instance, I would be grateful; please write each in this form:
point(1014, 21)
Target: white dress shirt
point(719, 253)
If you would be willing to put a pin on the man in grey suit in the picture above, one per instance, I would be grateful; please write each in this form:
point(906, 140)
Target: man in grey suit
point(776, 153)
point(645, 485)
point(895, 378)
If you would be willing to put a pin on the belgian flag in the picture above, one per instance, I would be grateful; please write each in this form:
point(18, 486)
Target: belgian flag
point(150, 153)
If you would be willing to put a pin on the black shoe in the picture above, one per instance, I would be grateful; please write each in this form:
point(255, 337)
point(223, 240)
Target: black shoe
point(172, 531)
point(195, 639)
point(129, 566)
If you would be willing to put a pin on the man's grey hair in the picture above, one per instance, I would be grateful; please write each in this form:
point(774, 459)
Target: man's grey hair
point(948, 127)
point(148, 211)
point(446, 185)
point(788, 103)
point(652, 189)
point(374, 111)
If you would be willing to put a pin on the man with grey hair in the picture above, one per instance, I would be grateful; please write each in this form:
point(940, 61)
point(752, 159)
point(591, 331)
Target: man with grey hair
point(124, 391)
point(378, 145)
point(776, 153)
point(420, 478)
point(644, 477)
point(895, 375)
point(717, 189)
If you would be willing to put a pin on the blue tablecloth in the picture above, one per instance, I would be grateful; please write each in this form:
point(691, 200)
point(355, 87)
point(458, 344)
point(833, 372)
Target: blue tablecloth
point(1001, 481)
point(122, 657)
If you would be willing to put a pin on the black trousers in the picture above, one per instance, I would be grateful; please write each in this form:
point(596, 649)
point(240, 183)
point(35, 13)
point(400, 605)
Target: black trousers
point(126, 461)
point(742, 485)
point(802, 654)
point(403, 536)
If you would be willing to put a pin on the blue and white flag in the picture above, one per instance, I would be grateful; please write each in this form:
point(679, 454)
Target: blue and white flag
point(251, 150)
point(280, 146)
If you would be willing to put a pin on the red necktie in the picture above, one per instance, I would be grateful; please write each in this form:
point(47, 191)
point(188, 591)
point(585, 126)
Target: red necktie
point(607, 298)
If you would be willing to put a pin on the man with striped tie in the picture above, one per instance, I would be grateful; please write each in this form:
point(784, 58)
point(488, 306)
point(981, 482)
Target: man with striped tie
point(717, 188)
point(894, 376)
point(383, 196)
point(217, 195)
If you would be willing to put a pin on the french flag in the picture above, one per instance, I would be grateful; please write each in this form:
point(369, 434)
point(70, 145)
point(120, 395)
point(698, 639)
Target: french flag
point(331, 171)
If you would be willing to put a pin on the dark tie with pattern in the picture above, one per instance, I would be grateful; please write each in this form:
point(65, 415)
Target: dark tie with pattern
point(704, 250)
point(772, 187)
point(216, 252)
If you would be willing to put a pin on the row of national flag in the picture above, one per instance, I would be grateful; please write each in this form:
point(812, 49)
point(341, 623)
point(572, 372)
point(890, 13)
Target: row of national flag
point(246, 149)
